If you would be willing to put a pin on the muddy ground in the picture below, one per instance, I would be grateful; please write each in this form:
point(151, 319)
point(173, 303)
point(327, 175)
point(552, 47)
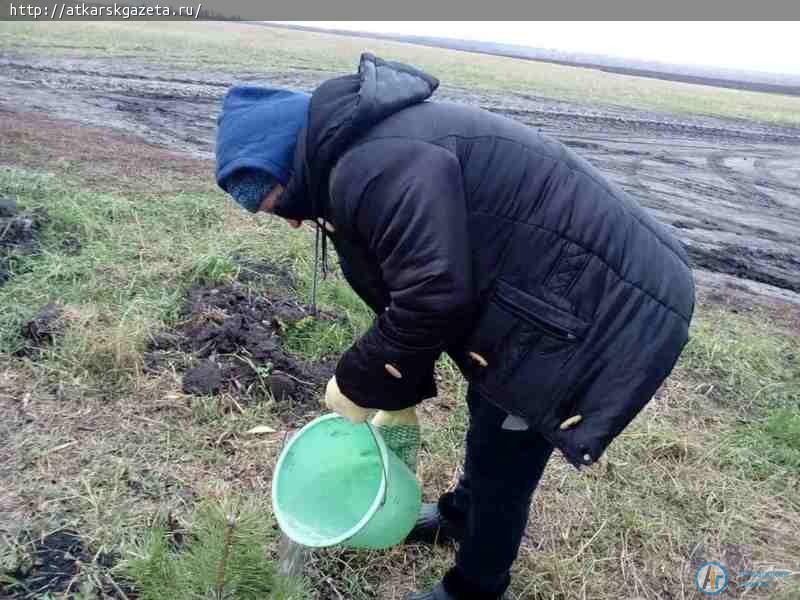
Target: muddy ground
point(229, 340)
point(19, 234)
point(728, 188)
point(41, 331)
point(49, 564)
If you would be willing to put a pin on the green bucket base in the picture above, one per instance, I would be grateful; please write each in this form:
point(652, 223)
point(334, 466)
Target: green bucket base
point(337, 483)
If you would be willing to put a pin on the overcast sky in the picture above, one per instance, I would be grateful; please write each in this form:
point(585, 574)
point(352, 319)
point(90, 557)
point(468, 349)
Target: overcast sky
point(771, 47)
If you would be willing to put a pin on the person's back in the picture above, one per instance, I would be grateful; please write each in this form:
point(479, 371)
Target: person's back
point(600, 285)
point(511, 171)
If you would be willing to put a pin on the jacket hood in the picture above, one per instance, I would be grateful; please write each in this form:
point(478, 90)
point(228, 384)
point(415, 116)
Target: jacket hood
point(258, 129)
point(341, 109)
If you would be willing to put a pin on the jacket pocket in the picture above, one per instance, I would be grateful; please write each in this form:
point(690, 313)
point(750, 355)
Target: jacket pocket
point(549, 319)
point(520, 338)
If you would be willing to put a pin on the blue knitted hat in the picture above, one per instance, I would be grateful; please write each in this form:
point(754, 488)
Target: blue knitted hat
point(249, 186)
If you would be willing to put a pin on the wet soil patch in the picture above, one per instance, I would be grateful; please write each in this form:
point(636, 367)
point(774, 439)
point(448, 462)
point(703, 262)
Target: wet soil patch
point(19, 234)
point(229, 340)
point(52, 565)
point(41, 331)
point(775, 268)
point(205, 378)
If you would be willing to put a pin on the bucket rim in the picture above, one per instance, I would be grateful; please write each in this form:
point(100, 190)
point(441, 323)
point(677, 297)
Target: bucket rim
point(377, 503)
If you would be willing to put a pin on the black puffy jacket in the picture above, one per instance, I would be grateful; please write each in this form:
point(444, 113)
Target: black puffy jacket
point(553, 291)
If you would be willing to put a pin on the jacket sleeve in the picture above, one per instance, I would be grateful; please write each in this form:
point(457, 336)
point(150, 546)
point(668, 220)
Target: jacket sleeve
point(404, 200)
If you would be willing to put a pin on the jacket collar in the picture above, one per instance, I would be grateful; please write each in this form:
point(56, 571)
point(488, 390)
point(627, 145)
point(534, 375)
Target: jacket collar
point(341, 110)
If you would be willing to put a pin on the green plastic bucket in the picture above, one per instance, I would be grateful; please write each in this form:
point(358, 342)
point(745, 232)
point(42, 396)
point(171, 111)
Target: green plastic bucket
point(337, 483)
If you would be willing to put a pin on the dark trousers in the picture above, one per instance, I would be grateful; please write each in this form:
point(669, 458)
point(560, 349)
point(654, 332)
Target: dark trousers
point(492, 501)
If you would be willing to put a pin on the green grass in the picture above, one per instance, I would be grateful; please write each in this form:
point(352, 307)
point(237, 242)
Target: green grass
point(772, 443)
point(748, 378)
point(235, 48)
point(743, 367)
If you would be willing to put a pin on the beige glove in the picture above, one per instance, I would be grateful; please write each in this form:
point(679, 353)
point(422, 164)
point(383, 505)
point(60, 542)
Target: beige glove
point(337, 402)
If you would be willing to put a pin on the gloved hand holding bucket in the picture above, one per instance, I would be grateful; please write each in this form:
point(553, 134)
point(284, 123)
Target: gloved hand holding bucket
point(399, 428)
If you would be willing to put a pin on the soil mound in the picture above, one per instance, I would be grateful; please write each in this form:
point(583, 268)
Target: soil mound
point(236, 335)
point(42, 330)
point(19, 234)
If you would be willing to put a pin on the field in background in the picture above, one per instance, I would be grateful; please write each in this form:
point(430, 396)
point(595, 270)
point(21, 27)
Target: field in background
point(97, 439)
point(232, 47)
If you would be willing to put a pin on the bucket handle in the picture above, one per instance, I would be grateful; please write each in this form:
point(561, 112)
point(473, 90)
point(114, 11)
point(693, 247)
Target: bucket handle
point(383, 463)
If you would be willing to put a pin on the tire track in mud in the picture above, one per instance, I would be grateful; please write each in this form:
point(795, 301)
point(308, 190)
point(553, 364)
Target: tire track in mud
point(170, 116)
point(716, 162)
point(106, 75)
point(633, 172)
point(766, 175)
point(763, 266)
point(173, 110)
point(685, 129)
point(718, 223)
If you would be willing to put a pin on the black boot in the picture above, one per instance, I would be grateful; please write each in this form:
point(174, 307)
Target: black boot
point(455, 586)
point(440, 593)
point(437, 593)
point(433, 528)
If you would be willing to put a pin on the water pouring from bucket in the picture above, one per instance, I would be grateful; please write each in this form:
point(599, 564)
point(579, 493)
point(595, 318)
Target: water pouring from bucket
point(338, 484)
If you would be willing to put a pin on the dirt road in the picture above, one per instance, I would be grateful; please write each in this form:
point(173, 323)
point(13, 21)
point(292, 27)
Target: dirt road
point(730, 189)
